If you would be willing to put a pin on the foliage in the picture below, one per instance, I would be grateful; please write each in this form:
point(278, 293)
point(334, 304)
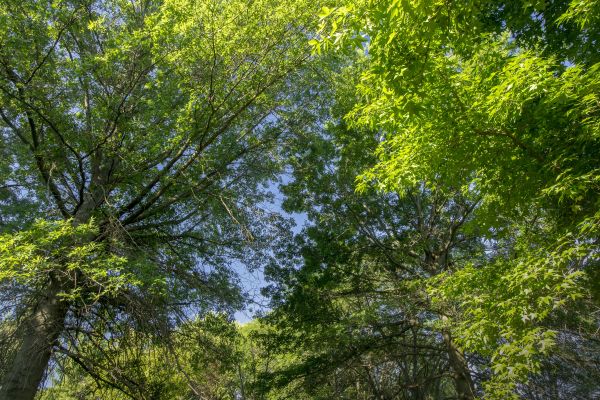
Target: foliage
point(443, 154)
point(500, 100)
point(209, 358)
point(150, 127)
point(348, 294)
point(502, 305)
point(53, 248)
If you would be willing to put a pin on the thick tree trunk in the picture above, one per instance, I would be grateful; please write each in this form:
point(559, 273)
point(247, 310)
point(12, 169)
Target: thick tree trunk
point(460, 368)
point(37, 334)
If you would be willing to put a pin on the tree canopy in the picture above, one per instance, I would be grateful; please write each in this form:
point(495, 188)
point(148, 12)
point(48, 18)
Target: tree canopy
point(135, 140)
point(443, 155)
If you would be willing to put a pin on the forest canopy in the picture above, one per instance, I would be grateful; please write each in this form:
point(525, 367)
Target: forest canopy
point(442, 159)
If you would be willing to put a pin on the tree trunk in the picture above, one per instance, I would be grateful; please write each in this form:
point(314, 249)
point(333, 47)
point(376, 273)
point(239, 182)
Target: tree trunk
point(37, 334)
point(460, 368)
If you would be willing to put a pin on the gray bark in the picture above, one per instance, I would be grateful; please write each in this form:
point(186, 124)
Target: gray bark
point(37, 334)
point(460, 369)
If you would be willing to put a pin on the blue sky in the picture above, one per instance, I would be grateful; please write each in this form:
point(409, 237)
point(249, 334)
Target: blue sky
point(253, 281)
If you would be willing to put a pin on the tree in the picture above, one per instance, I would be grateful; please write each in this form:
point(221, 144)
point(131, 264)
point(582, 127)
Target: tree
point(208, 358)
point(199, 362)
point(498, 99)
point(351, 301)
point(136, 134)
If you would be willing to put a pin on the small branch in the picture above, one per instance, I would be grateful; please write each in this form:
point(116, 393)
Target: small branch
point(516, 141)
